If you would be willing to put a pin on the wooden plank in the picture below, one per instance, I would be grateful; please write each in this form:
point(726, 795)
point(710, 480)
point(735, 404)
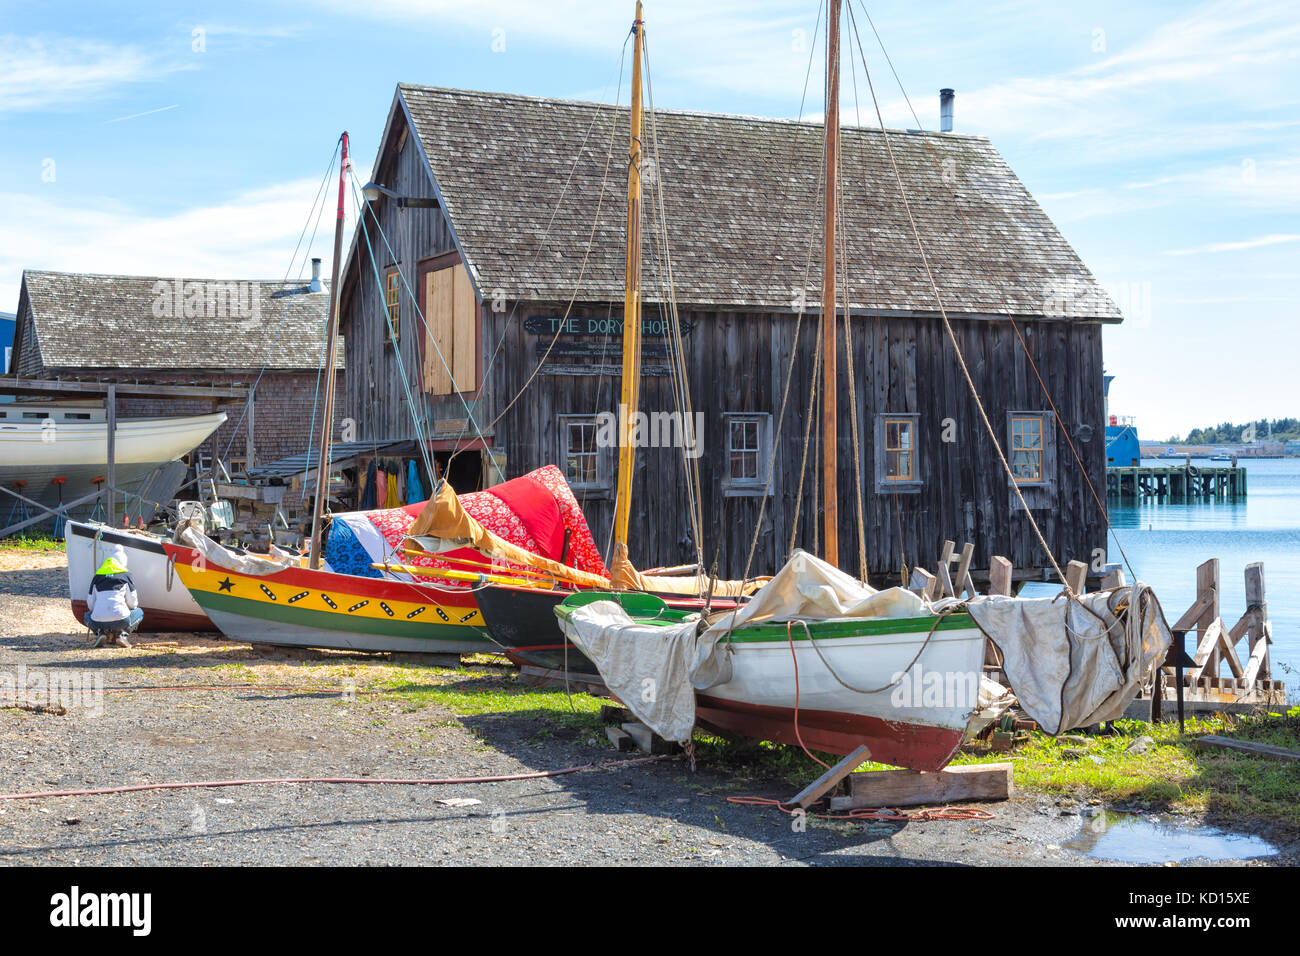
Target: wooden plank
point(1194, 613)
point(465, 332)
point(1076, 573)
point(1228, 652)
point(1000, 570)
point(963, 567)
point(1255, 665)
point(945, 581)
point(1260, 630)
point(1205, 648)
point(911, 788)
point(1207, 582)
point(1241, 628)
point(814, 791)
point(1115, 579)
point(923, 583)
point(1247, 747)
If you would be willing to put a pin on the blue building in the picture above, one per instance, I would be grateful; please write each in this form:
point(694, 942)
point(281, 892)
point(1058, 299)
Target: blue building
point(7, 323)
point(1122, 446)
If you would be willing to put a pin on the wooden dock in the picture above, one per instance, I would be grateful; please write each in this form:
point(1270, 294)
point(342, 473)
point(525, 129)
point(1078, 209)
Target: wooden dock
point(1182, 482)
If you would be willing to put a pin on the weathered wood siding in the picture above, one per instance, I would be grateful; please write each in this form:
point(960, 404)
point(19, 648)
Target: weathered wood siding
point(738, 363)
point(375, 398)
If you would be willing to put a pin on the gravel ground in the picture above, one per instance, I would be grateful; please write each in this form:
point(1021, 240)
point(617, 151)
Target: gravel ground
point(657, 813)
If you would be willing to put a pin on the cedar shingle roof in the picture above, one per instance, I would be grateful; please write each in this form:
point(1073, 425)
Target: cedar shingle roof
point(119, 322)
point(741, 197)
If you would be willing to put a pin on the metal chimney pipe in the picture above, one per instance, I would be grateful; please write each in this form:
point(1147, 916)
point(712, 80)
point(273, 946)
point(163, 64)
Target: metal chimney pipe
point(945, 110)
point(315, 276)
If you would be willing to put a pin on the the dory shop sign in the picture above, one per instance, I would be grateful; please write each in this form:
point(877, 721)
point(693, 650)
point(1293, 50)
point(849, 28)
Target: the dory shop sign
point(652, 327)
point(86, 909)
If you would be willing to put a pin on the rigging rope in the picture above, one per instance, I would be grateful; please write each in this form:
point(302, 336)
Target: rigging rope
point(1008, 312)
point(952, 335)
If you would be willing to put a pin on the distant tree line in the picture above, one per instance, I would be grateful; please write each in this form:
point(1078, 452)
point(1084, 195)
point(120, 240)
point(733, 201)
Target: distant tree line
point(1284, 429)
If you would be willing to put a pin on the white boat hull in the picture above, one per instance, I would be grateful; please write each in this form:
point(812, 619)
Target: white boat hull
point(908, 714)
point(166, 608)
point(78, 452)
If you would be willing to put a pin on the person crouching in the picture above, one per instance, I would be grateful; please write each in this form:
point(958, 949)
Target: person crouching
point(113, 605)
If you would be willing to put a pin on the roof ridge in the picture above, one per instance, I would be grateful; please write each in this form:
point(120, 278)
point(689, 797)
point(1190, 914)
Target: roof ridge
point(740, 117)
point(172, 278)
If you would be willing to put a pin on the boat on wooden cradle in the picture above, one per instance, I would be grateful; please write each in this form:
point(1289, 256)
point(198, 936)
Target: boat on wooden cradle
point(58, 452)
point(820, 661)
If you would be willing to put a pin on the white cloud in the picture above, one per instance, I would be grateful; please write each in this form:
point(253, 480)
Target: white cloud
point(1272, 240)
point(42, 72)
point(249, 236)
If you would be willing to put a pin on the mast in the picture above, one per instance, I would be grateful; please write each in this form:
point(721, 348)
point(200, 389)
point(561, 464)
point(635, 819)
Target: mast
point(830, 491)
point(631, 305)
point(327, 416)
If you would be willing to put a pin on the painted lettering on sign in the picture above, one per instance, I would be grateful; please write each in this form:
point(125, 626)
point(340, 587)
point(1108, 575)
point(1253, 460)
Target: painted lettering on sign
point(657, 327)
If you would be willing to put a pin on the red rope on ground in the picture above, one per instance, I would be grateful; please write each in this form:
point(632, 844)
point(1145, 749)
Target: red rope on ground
point(878, 813)
point(447, 781)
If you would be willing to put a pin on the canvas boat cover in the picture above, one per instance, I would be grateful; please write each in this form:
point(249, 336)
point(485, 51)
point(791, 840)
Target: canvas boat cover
point(1075, 663)
point(680, 659)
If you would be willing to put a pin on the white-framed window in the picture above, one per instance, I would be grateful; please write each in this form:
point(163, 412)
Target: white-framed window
point(585, 462)
point(748, 452)
point(897, 452)
point(1031, 447)
point(1031, 453)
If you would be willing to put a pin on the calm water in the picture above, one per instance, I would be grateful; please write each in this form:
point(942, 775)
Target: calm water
point(1165, 542)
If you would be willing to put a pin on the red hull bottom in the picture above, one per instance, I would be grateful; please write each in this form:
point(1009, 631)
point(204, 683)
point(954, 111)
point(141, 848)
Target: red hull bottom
point(160, 621)
point(897, 744)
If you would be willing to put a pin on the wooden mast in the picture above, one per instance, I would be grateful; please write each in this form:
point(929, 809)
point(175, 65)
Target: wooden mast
point(327, 415)
point(631, 306)
point(830, 490)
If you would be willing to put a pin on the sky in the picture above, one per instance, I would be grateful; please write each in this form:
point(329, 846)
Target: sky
point(1163, 139)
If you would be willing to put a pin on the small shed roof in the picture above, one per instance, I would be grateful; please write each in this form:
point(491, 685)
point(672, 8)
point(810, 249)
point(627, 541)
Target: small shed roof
point(523, 180)
point(90, 321)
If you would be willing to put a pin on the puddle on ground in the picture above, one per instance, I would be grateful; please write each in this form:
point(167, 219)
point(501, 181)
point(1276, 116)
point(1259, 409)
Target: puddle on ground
point(1133, 838)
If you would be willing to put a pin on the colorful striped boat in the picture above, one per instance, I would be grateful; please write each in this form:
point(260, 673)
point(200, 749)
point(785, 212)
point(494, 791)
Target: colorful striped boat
point(300, 607)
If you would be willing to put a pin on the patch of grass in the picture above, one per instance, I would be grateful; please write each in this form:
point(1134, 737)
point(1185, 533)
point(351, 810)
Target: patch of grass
point(471, 692)
point(1173, 774)
point(33, 542)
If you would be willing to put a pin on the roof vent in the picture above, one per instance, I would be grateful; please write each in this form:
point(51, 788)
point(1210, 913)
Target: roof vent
point(315, 276)
point(945, 110)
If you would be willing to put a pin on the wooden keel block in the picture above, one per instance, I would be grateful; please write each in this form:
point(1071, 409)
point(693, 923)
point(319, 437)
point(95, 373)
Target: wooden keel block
point(621, 740)
point(912, 788)
point(1076, 573)
point(814, 791)
point(1000, 576)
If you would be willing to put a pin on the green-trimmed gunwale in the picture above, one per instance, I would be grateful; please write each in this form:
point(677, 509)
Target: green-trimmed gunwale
point(651, 609)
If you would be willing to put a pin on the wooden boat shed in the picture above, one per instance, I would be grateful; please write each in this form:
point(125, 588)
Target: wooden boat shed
point(504, 215)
